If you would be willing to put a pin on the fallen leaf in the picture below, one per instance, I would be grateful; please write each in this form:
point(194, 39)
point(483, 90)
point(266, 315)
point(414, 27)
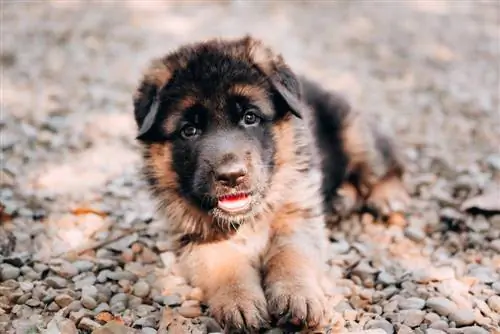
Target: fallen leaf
point(86, 210)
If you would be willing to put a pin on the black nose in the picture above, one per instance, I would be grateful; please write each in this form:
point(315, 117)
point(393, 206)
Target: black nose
point(231, 174)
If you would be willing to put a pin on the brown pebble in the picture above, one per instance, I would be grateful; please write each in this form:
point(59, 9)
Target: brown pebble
point(136, 247)
point(128, 255)
point(88, 324)
point(189, 311)
point(397, 219)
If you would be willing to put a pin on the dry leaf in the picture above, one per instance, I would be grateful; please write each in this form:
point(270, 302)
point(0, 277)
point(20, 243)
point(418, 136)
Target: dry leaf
point(86, 210)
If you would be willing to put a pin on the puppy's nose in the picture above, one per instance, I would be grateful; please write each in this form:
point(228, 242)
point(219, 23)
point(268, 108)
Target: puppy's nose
point(231, 174)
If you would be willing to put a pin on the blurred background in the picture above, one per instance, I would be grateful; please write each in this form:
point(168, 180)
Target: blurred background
point(427, 69)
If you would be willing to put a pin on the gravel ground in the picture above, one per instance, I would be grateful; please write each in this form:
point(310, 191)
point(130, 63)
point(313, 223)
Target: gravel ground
point(81, 249)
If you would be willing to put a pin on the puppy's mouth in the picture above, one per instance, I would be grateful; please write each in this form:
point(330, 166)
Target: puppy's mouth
point(234, 203)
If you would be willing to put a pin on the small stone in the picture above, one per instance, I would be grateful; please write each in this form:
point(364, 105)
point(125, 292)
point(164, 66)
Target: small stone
point(23, 298)
point(65, 269)
point(427, 275)
point(149, 330)
point(118, 307)
point(88, 324)
point(414, 233)
point(89, 291)
point(474, 330)
point(122, 275)
point(53, 307)
point(495, 245)
point(462, 317)
point(386, 278)
point(190, 311)
point(8, 271)
point(439, 324)
point(403, 329)
point(89, 302)
point(141, 289)
point(441, 306)
point(76, 316)
point(85, 282)
point(412, 318)
point(18, 260)
point(56, 282)
point(32, 302)
point(63, 300)
point(380, 324)
point(119, 297)
point(496, 287)
point(350, 315)
point(102, 307)
point(494, 303)
point(143, 310)
point(434, 331)
point(412, 303)
point(83, 265)
point(134, 302)
point(170, 300)
point(149, 321)
point(26, 286)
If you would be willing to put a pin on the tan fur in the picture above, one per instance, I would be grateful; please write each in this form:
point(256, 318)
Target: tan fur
point(273, 265)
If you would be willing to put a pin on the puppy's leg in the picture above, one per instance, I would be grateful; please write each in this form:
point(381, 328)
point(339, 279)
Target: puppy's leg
point(231, 286)
point(293, 269)
point(374, 167)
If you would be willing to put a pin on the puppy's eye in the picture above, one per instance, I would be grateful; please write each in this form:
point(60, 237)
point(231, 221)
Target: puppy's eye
point(249, 118)
point(189, 131)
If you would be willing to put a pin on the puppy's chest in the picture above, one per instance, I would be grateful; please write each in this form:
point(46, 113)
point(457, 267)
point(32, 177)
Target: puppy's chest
point(252, 239)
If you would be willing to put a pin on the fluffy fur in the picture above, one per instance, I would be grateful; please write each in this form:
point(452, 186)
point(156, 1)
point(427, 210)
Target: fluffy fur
point(307, 157)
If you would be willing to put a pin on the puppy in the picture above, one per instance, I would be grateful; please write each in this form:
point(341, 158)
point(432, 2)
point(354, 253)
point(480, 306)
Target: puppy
point(246, 159)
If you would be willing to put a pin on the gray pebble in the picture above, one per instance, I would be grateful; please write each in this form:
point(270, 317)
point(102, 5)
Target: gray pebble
point(412, 318)
point(119, 297)
point(53, 307)
point(83, 265)
point(32, 302)
point(412, 303)
point(118, 307)
point(439, 324)
point(141, 289)
point(134, 302)
point(102, 307)
point(495, 245)
point(143, 310)
point(23, 298)
point(26, 286)
point(403, 329)
point(474, 330)
point(427, 275)
point(63, 300)
point(494, 303)
point(103, 275)
point(442, 306)
point(88, 302)
point(170, 300)
point(148, 330)
point(56, 282)
point(122, 275)
point(149, 321)
point(380, 324)
point(496, 287)
point(40, 267)
point(8, 271)
point(414, 233)
point(462, 317)
point(386, 278)
point(75, 305)
point(484, 274)
point(434, 331)
point(89, 291)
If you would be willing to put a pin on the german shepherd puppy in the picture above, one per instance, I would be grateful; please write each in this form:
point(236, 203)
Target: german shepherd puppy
point(246, 160)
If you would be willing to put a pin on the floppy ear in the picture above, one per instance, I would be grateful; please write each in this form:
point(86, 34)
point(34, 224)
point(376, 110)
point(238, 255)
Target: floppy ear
point(147, 103)
point(284, 82)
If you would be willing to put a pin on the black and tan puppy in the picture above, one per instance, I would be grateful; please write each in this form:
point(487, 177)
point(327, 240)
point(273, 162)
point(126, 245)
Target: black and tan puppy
point(246, 160)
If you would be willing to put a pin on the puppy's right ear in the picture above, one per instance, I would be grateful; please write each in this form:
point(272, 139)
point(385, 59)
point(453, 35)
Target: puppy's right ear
point(147, 102)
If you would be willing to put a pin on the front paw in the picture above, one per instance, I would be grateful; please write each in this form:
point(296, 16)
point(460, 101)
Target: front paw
point(240, 310)
point(388, 196)
point(296, 306)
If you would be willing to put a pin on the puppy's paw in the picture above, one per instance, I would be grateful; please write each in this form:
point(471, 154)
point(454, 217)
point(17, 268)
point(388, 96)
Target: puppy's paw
point(296, 306)
point(240, 310)
point(388, 196)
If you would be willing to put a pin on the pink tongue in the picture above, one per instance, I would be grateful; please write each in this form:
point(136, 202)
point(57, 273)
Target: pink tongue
point(232, 203)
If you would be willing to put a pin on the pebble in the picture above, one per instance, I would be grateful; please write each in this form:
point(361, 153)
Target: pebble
point(412, 303)
point(86, 281)
point(88, 324)
point(427, 275)
point(143, 310)
point(414, 233)
point(149, 321)
point(434, 331)
point(83, 265)
point(189, 311)
point(141, 289)
point(148, 330)
point(462, 317)
point(494, 303)
point(90, 292)
point(26, 286)
point(170, 300)
point(474, 330)
point(56, 282)
point(380, 324)
point(412, 318)
point(65, 269)
point(403, 329)
point(386, 278)
point(63, 300)
point(122, 275)
point(102, 307)
point(119, 297)
point(442, 306)
point(8, 271)
point(439, 324)
point(118, 307)
point(89, 302)
point(53, 307)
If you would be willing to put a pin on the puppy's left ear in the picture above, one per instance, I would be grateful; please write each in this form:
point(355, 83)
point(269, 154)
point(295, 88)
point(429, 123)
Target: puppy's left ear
point(284, 82)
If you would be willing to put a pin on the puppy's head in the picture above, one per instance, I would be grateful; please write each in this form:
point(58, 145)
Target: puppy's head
point(205, 115)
